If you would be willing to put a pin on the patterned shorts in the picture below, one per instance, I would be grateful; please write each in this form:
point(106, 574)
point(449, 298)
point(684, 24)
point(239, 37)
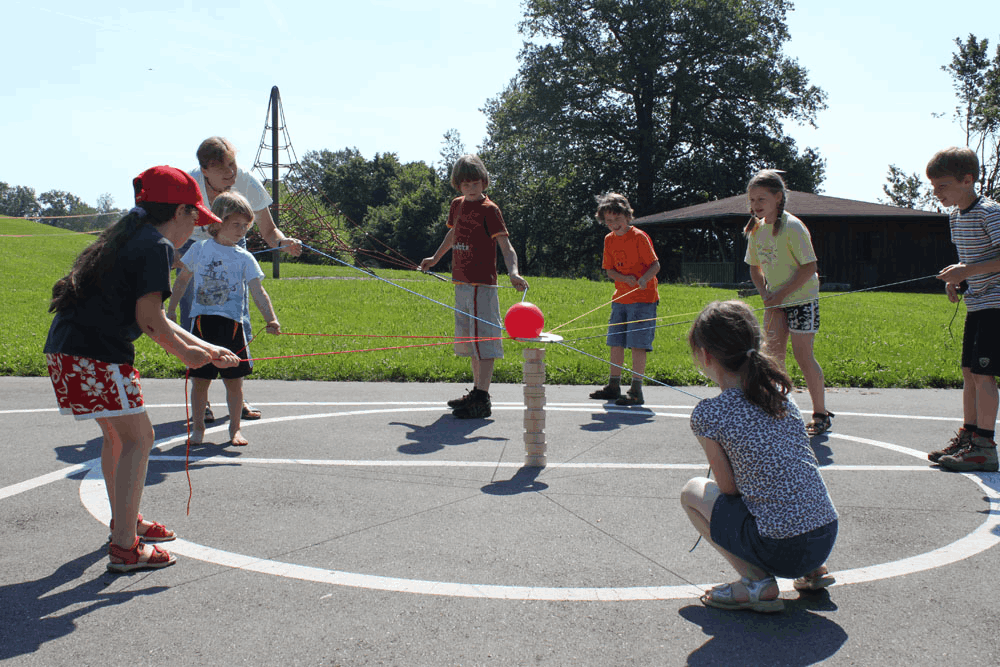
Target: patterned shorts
point(90, 389)
point(803, 318)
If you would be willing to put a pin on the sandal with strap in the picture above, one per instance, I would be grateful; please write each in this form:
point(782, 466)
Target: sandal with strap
point(820, 423)
point(249, 412)
point(607, 393)
point(816, 580)
point(723, 596)
point(131, 559)
point(155, 533)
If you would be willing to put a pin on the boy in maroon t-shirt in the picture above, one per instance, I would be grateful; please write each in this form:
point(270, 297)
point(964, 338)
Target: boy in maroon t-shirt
point(475, 228)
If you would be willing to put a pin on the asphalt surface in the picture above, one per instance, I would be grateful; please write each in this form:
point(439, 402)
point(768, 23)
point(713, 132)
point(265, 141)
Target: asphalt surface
point(364, 525)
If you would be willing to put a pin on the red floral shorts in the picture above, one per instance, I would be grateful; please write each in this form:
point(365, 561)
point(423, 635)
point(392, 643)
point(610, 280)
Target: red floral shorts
point(90, 389)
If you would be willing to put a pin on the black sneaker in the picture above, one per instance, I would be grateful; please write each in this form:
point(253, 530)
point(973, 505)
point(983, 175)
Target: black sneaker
point(459, 402)
point(477, 407)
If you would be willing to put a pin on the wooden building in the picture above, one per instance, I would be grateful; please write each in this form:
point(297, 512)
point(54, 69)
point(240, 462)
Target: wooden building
point(857, 244)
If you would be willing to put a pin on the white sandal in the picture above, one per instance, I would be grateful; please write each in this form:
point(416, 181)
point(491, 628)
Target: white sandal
point(723, 597)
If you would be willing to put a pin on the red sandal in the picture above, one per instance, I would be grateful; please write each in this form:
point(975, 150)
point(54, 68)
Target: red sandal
point(155, 533)
point(131, 558)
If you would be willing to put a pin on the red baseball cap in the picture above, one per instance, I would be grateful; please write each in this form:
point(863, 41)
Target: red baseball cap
point(169, 185)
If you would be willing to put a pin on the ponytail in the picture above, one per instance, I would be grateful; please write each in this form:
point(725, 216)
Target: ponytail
point(729, 331)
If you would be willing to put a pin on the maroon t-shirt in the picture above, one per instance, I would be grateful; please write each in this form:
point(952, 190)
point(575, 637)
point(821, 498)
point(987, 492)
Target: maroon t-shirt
point(474, 248)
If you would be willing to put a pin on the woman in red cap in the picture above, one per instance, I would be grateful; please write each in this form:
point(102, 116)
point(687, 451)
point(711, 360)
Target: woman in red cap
point(113, 294)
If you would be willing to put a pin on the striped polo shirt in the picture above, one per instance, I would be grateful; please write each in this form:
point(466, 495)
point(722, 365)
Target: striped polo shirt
point(975, 231)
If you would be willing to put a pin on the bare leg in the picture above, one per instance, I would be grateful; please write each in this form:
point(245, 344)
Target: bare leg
point(776, 334)
point(638, 363)
point(986, 401)
point(199, 399)
point(125, 473)
point(234, 399)
point(802, 348)
point(698, 499)
point(970, 400)
point(482, 373)
point(617, 361)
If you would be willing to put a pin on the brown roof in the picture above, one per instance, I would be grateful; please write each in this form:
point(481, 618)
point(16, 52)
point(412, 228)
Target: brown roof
point(802, 204)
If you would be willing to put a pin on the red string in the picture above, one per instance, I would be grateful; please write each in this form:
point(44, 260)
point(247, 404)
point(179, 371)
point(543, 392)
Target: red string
point(372, 349)
point(187, 446)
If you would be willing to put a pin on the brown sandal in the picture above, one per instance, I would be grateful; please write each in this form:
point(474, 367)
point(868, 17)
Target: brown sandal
point(820, 423)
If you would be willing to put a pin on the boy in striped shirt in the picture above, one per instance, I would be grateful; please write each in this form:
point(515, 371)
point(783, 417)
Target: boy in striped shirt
point(975, 231)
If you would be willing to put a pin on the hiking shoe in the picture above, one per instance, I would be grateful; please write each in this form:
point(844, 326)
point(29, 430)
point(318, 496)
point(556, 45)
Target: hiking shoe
point(608, 393)
point(980, 454)
point(477, 407)
point(459, 402)
point(961, 440)
point(630, 398)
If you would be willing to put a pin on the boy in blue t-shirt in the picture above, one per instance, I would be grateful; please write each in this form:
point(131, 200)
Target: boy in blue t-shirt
point(223, 272)
point(975, 231)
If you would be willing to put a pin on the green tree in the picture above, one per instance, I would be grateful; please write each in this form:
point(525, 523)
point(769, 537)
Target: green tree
point(675, 100)
point(907, 191)
point(18, 201)
point(66, 210)
point(976, 79)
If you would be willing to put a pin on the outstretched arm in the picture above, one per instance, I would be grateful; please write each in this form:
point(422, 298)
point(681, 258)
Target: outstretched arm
point(510, 259)
point(428, 262)
point(187, 347)
point(272, 235)
point(263, 302)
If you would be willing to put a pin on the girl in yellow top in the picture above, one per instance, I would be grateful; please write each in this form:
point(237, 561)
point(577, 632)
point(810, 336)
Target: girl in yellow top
point(783, 268)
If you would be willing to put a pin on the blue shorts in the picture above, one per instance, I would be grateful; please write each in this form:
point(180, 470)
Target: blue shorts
point(734, 529)
point(632, 325)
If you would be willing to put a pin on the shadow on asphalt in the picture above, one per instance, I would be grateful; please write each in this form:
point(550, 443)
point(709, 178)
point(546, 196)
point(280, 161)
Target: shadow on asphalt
point(34, 613)
point(445, 431)
point(609, 421)
point(525, 480)
point(795, 637)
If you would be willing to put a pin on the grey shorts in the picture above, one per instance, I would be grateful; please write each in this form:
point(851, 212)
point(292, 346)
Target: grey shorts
point(632, 325)
point(482, 303)
point(803, 318)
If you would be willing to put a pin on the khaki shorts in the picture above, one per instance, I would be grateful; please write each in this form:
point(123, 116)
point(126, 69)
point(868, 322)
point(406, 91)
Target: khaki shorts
point(478, 336)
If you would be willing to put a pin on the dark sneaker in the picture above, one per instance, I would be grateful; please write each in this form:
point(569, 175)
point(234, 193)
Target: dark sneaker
point(477, 407)
point(608, 393)
point(961, 440)
point(630, 398)
point(980, 454)
point(459, 402)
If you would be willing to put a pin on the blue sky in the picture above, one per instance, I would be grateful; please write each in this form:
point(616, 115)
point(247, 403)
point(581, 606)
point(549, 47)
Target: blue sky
point(95, 93)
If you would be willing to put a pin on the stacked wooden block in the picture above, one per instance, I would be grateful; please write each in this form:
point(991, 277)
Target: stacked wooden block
point(534, 407)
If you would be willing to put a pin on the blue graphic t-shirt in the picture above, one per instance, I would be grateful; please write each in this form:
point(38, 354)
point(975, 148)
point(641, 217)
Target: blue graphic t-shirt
point(221, 277)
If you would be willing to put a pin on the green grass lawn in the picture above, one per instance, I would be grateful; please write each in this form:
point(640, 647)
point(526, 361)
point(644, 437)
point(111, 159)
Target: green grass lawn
point(870, 339)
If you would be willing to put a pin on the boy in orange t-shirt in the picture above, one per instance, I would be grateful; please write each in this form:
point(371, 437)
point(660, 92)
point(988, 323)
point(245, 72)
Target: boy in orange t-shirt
point(630, 261)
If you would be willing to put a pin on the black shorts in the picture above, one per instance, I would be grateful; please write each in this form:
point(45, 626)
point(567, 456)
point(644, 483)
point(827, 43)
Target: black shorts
point(226, 333)
point(981, 342)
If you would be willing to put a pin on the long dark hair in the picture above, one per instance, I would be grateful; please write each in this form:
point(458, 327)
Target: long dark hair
point(729, 331)
point(769, 179)
point(97, 259)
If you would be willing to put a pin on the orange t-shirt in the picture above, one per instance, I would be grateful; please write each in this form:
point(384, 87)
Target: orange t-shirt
point(631, 254)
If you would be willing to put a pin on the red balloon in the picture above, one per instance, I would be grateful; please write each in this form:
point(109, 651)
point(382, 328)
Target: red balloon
point(524, 320)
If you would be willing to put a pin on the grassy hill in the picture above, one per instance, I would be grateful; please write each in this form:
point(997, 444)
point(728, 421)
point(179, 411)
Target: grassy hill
point(870, 339)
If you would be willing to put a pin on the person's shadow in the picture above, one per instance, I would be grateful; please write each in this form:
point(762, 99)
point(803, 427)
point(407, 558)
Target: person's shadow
point(795, 637)
point(33, 614)
point(621, 418)
point(823, 452)
point(525, 480)
point(445, 431)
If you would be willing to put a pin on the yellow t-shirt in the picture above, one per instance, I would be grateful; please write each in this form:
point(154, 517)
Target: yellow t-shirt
point(779, 257)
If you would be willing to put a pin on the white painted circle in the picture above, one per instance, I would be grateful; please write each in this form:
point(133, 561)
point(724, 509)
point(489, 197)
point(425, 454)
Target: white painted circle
point(94, 498)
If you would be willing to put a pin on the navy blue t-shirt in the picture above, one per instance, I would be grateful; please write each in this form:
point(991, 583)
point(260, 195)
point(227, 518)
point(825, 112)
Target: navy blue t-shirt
point(102, 324)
